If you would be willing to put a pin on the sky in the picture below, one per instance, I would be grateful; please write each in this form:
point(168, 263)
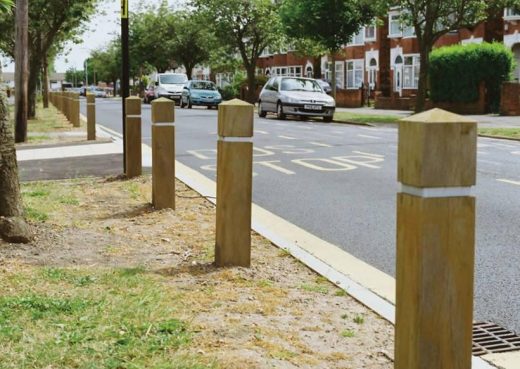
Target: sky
point(103, 27)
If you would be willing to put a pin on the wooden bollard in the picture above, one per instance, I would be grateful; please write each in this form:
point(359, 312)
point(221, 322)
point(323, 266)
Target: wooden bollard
point(66, 105)
point(234, 184)
point(435, 241)
point(74, 118)
point(133, 136)
point(91, 117)
point(163, 154)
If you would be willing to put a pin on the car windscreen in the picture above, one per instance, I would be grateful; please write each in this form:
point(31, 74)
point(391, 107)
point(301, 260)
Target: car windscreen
point(203, 86)
point(300, 84)
point(172, 79)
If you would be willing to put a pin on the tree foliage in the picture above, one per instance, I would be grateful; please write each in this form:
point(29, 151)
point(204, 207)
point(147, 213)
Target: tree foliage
point(332, 24)
point(246, 27)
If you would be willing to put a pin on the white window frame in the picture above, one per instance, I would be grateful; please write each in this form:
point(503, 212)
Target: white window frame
point(414, 69)
point(374, 37)
point(404, 30)
point(358, 39)
point(358, 69)
point(510, 14)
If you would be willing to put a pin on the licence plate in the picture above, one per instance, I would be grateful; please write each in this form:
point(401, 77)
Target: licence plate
point(312, 107)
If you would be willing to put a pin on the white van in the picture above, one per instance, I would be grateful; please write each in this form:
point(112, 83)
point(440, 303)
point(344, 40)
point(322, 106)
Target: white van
point(170, 85)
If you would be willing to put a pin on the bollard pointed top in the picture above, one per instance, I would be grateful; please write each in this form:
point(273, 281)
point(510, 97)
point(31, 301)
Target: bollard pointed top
point(162, 100)
point(133, 98)
point(236, 102)
point(437, 115)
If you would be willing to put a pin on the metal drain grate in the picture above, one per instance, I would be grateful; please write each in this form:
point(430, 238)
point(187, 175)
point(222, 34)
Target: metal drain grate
point(490, 338)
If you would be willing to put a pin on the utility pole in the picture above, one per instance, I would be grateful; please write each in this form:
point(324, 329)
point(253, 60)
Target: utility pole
point(86, 73)
point(21, 70)
point(126, 70)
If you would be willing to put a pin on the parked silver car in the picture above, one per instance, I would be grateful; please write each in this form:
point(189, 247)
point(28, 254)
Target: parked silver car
point(295, 96)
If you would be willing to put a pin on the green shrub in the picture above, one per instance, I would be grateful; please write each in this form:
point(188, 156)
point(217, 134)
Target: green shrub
point(456, 72)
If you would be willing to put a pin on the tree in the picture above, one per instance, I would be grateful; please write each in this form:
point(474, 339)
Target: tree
point(107, 62)
point(12, 225)
point(332, 24)
point(247, 27)
point(51, 23)
point(151, 38)
point(191, 41)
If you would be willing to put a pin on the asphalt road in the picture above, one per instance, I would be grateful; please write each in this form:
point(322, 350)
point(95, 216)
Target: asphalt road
point(339, 183)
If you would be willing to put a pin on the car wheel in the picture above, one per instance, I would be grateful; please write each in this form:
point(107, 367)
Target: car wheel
point(327, 119)
point(181, 104)
point(190, 105)
point(279, 111)
point(261, 112)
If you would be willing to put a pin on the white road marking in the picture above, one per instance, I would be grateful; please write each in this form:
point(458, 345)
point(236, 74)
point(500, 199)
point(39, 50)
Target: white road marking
point(339, 165)
point(320, 144)
point(261, 132)
point(482, 152)
point(509, 181)
point(515, 152)
point(288, 137)
point(262, 152)
point(369, 154)
point(198, 153)
point(272, 165)
point(289, 149)
point(505, 145)
point(368, 128)
point(367, 136)
point(364, 162)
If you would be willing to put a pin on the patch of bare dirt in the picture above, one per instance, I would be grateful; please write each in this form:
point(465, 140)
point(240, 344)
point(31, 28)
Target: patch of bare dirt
point(276, 314)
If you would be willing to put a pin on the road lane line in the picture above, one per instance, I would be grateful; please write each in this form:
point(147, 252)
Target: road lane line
point(320, 144)
point(261, 132)
point(509, 181)
point(369, 154)
point(272, 165)
point(482, 152)
point(288, 137)
point(367, 136)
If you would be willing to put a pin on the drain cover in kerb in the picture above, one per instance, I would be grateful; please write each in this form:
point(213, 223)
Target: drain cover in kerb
point(490, 338)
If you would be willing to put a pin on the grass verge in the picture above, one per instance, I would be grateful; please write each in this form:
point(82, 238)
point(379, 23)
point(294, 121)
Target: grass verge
point(500, 132)
point(80, 318)
point(348, 117)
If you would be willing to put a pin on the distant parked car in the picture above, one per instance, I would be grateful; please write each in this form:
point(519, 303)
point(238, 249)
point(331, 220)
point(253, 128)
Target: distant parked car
point(203, 93)
point(325, 86)
point(297, 96)
point(149, 94)
point(99, 92)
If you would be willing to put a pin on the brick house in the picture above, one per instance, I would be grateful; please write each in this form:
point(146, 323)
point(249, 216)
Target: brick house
point(383, 60)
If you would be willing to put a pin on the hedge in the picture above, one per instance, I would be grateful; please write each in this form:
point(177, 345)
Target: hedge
point(456, 72)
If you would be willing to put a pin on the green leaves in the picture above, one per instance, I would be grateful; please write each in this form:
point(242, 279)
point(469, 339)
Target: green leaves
point(6, 5)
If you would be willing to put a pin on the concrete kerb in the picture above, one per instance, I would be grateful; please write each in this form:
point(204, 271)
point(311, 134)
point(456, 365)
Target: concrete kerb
point(371, 287)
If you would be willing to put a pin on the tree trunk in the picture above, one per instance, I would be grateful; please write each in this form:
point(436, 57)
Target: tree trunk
point(12, 226)
point(45, 73)
point(333, 70)
point(251, 84)
point(189, 71)
point(316, 65)
point(420, 101)
point(494, 25)
point(21, 69)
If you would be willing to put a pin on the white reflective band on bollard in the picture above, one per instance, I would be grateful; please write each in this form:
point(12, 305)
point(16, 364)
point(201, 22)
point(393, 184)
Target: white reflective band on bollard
point(235, 139)
point(436, 192)
point(164, 124)
point(132, 115)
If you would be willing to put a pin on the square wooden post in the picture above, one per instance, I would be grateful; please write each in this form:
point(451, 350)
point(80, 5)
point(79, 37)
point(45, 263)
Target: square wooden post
point(133, 136)
point(66, 105)
point(435, 241)
point(74, 109)
point(234, 184)
point(163, 153)
point(91, 117)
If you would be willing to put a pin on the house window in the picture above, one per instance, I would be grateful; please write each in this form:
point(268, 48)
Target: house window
point(511, 14)
point(354, 73)
point(394, 25)
point(370, 33)
point(408, 31)
point(295, 71)
point(340, 74)
point(358, 38)
point(411, 71)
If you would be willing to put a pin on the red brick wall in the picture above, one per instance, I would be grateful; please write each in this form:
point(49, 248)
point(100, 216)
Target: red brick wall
point(349, 98)
point(510, 99)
